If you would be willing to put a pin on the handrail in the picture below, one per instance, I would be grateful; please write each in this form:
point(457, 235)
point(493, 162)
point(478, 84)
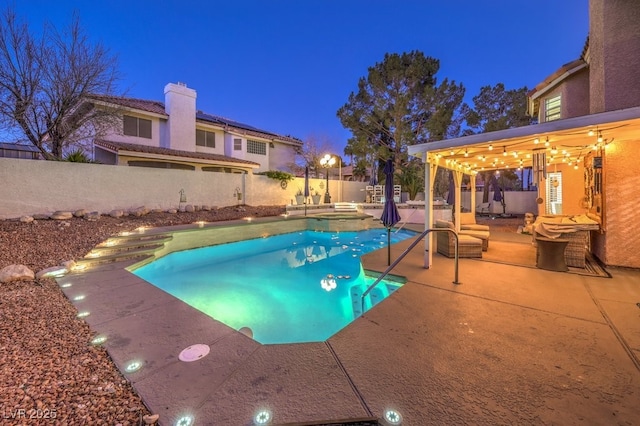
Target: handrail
point(405, 222)
point(411, 246)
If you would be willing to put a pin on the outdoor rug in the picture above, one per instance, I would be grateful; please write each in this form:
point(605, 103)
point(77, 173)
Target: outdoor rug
point(516, 249)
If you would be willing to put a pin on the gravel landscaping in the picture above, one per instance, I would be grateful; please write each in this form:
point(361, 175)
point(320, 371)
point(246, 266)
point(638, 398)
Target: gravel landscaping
point(51, 373)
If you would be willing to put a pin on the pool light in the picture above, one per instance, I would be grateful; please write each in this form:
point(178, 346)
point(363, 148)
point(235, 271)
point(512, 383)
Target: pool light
point(66, 285)
point(80, 297)
point(83, 314)
point(262, 418)
point(185, 421)
point(328, 283)
point(393, 417)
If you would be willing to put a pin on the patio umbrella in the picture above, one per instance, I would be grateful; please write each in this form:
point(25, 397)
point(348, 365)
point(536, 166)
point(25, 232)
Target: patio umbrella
point(306, 188)
point(451, 196)
point(390, 215)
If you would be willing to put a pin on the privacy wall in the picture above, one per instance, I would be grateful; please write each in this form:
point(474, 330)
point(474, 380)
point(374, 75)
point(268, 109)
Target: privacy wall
point(31, 186)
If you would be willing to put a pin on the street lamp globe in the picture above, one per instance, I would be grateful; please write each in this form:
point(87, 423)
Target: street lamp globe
point(326, 162)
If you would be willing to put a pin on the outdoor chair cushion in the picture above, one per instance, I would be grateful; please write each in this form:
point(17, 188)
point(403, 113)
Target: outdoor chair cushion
point(483, 235)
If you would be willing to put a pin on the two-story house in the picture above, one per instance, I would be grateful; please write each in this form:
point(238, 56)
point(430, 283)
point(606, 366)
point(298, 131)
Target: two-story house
point(174, 134)
point(584, 149)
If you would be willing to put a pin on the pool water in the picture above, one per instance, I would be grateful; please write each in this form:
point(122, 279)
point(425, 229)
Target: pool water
point(290, 288)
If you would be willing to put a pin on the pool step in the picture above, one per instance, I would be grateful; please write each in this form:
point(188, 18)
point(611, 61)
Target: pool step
point(91, 260)
point(124, 247)
point(114, 246)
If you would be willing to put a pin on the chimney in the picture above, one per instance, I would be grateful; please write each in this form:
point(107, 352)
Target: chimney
point(180, 105)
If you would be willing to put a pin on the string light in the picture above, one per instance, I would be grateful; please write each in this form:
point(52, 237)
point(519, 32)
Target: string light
point(536, 141)
point(504, 150)
point(546, 142)
point(490, 147)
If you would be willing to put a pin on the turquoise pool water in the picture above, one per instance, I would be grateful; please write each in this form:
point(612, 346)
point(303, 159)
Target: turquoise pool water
point(290, 288)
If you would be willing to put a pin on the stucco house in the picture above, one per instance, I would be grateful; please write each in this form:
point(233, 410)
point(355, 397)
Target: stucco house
point(585, 148)
point(175, 134)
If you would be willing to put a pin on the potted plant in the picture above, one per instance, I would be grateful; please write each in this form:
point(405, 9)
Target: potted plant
point(299, 196)
point(315, 197)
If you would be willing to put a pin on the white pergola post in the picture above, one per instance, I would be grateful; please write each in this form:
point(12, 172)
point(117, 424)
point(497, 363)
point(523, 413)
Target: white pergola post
point(429, 179)
point(457, 180)
point(473, 193)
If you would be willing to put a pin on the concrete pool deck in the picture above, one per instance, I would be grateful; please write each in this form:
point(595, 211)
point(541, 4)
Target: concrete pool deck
point(509, 345)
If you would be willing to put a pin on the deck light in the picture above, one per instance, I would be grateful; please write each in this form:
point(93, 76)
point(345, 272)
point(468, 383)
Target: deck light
point(133, 366)
point(262, 418)
point(98, 340)
point(185, 421)
point(393, 417)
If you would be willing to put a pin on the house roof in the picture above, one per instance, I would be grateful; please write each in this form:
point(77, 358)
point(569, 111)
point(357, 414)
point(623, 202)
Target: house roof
point(158, 107)
point(140, 104)
point(246, 129)
point(18, 147)
point(132, 149)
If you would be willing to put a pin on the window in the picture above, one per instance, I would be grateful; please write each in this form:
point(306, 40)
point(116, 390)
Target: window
point(552, 108)
point(204, 138)
point(237, 144)
point(255, 147)
point(134, 126)
point(554, 193)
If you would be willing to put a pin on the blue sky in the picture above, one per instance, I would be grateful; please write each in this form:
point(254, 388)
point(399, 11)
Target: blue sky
point(288, 65)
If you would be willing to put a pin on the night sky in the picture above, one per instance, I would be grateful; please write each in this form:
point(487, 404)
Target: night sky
point(287, 65)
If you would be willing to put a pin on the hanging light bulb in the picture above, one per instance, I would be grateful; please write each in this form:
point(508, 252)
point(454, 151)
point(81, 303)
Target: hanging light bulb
point(452, 153)
point(554, 150)
point(466, 152)
point(600, 137)
point(490, 147)
point(546, 142)
point(536, 141)
point(504, 150)
point(590, 132)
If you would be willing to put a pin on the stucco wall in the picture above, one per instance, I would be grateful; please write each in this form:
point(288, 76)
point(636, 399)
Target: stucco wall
point(30, 187)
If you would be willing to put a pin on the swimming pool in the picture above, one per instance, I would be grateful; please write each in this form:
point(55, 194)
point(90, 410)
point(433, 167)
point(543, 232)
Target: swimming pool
point(296, 287)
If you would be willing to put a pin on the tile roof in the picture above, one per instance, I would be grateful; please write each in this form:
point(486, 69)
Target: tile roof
point(141, 104)
point(558, 73)
point(158, 107)
point(122, 146)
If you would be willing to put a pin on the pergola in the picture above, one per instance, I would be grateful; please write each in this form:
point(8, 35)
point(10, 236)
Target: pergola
point(565, 141)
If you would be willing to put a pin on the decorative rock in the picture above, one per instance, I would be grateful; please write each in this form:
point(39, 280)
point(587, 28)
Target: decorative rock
point(26, 219)
point(156, 210)
point(116, 213)
point(140, 211)
point(197, 207)
point(61, 215)
point(189, 208)
point(80, 213)
point(206, 208)
point(41, 216)
point(93, 216)
point(54, 271)
point(150, 419)
point(173, 211)
point(15, 272)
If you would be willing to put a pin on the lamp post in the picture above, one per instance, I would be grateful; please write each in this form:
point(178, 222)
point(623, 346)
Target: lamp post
point(326, 162)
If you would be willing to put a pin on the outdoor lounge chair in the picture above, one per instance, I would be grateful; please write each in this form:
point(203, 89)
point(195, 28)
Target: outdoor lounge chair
point(468, 246)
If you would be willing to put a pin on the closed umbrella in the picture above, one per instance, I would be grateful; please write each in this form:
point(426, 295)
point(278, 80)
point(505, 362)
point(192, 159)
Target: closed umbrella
point(390, 214)
point(306, 188)
point(495, 186)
